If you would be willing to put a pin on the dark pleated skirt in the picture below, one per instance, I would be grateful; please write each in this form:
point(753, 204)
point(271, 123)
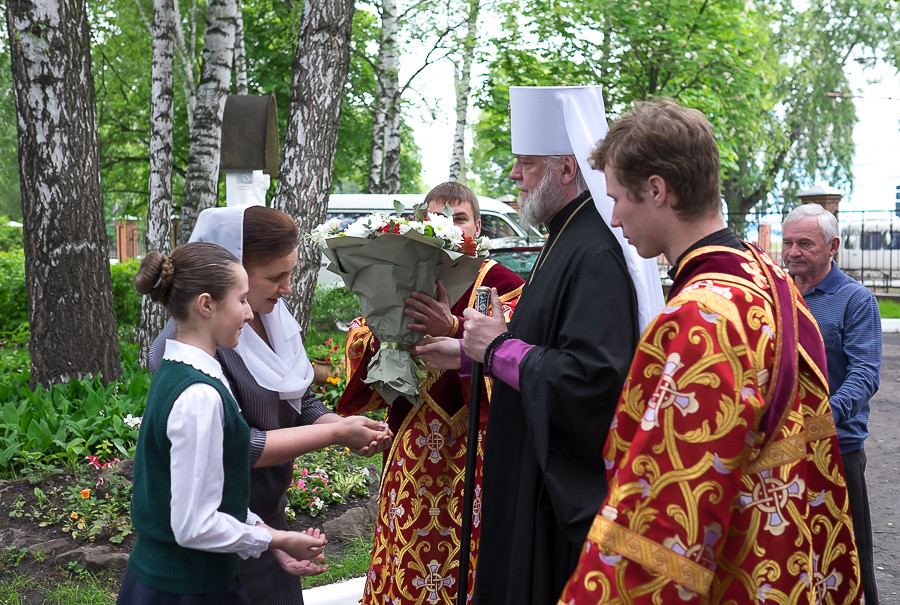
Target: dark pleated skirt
point(133, 592)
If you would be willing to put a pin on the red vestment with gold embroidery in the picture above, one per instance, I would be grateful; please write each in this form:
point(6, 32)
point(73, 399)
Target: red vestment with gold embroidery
point(415, 556)
point(725, 476)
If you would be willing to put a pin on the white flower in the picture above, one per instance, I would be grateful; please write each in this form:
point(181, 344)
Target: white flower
point(441, 220)
point(417, 226)
point(330, 228)
point(132, 421)
point(438, 226)
point(359, 228)
point(318, 503)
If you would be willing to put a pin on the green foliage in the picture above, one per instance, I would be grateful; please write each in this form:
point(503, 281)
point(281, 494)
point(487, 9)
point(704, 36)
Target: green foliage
point(94, 502)
point(889, 309)
point(333, 308)
point(62, 425)
point(14, 356)
point(14, 298)
point(10, 237)
point(334, 386)
point(758, 71)
point(354, 563)
point(121, 54)
point(126, 299)
point(10, 196)
point(86, 589)
point(332, 475)
point(310, 493)
point(13, 295)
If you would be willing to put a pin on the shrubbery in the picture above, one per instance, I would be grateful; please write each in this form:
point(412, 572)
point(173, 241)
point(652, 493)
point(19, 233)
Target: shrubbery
point(126, 299)
point(10, 237)
point(63, 424)
point(13, 297)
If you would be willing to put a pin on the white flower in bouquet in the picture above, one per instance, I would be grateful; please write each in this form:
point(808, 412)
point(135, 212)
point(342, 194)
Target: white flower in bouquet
point(330, 228)
point(359, 228)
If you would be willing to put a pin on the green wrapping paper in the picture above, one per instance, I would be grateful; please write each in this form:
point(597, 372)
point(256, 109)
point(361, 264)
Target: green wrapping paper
point(383, 272)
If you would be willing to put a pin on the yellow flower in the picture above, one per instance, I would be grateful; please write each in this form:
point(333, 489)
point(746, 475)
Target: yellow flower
point(85, 493)
point(74, 515)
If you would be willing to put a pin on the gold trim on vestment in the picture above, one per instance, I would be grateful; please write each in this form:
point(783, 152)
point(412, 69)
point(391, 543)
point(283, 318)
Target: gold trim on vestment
point(782, 452)
point(650, 554)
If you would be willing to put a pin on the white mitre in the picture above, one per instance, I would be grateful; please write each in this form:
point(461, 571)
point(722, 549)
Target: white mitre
point(571, 120)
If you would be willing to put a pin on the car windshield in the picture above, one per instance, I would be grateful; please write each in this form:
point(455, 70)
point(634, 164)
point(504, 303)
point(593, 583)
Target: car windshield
point(530, 232)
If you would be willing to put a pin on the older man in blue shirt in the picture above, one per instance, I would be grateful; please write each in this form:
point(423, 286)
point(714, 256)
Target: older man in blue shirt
point(848, 317)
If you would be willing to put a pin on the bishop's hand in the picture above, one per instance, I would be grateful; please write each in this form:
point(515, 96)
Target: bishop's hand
point(480, 329)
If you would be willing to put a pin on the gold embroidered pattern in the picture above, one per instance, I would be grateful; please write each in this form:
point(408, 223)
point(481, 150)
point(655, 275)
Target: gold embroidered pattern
point(650, 554)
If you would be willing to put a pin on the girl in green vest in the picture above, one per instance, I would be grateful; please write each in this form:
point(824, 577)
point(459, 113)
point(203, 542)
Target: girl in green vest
point(192, 464)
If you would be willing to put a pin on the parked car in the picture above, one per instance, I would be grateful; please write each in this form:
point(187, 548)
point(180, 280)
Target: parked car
point(517, 253)
point(499, 221)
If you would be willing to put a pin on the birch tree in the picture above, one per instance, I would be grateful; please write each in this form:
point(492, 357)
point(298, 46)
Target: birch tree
point(387, 100)
point(70, 308)
point(186, 52)
point(429, 26)
point(240, 55)
point(463, 86)
point(202, 175)
point(159, 205)
point(319, 74)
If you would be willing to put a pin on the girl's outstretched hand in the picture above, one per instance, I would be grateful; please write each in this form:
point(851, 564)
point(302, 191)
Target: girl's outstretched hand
point(296, 567)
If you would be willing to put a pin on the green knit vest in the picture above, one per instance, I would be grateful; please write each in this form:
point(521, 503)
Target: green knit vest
point(156, 559)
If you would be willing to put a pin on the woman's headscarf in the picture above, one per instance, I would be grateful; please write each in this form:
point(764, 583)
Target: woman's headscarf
point(283, 368)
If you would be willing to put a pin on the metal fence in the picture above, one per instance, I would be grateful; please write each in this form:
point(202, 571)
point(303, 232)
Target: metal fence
point(869, 251)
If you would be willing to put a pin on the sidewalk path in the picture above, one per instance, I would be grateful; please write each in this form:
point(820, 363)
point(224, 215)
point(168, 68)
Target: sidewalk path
point(343, 593)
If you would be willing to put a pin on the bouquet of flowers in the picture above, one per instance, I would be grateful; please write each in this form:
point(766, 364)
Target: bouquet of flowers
point(383, 259)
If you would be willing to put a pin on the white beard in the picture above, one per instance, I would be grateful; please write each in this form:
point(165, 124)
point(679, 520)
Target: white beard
point(543, 202)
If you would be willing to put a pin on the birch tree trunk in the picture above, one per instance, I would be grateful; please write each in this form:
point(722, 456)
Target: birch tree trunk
point(70, 305)
point(186, 60)
point(319, 74)
point(392, 147)
point(387, 78)
point(159, 205)
point(201, 180)
point(240, 55)
point(462, 80)
point(188, 77)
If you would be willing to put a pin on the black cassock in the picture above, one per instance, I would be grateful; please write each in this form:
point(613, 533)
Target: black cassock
point(544, 476)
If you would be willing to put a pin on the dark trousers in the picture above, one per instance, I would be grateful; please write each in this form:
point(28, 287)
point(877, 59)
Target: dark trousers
point(855, 473)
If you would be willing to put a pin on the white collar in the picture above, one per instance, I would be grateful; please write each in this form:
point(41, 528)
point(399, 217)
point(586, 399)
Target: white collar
point(197, 358)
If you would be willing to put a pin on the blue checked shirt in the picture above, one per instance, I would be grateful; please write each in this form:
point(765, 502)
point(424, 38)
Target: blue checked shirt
point(848, 317)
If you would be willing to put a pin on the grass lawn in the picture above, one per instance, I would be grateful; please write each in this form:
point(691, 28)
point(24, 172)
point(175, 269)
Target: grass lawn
point(890, 309)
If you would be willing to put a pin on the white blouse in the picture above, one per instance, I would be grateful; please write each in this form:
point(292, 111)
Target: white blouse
point(195, 428)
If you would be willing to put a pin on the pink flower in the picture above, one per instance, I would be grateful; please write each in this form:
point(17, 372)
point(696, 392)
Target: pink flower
point(304, 472)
